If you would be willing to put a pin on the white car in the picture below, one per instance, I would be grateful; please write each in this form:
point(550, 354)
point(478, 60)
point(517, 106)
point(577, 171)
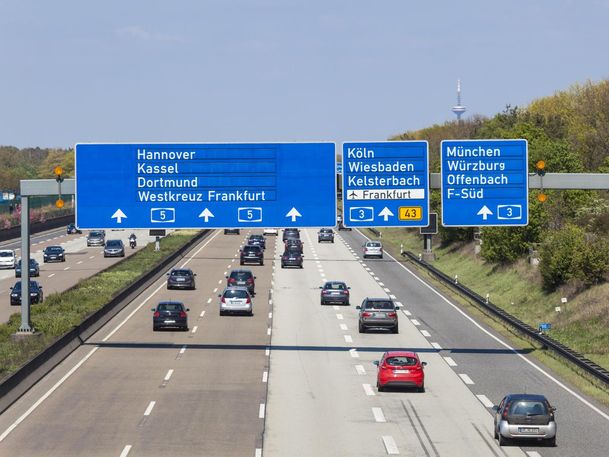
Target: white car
point(270, 231)
point(236, 300)
point(373, 249)
point(7, 258)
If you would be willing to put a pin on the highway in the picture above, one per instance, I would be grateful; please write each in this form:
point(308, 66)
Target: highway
point(296, 379)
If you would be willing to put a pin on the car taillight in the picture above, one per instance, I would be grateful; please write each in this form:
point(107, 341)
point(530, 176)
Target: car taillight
point(182, 314)
point(366, 314)
point(325, 292)
point(249, 280)
point(346, 292)
point(505, 411)
point(232, 280)
point(248, 301)
point(222, 300)
point(392, 314)
point(157, 314)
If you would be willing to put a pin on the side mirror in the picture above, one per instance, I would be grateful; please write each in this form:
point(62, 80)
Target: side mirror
point(349, 288)
point(219, 295)
point(151, 309)
point(254, 277)
point(376, 362)
point(226, 277)
point(495, 408)
point(194, 274)
point(187, 309)
point(358, 307)
point(424, 364)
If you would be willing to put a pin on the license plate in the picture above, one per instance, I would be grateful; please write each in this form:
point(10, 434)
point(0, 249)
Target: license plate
point(170, 322)
point(334, 293)
point(180, 279)
point(528, 430)
point(401, 371)
point(380, 315)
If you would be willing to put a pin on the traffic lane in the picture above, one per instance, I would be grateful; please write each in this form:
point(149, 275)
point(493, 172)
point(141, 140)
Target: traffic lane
point(35, 238)
point(135, 358)
point(494, 368)
point(324, 369)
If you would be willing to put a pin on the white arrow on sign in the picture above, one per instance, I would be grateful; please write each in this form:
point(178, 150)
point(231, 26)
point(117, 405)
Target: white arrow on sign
point(485, 212)
point(118, 215)
point(206, 214)
point(293, 213)
point(386, 212)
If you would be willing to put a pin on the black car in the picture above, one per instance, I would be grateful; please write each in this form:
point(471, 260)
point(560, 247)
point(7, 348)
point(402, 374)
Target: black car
point(341, 226)
point(53, 254)
point(525, 417)
point(114, 248)
point(232, 231)
point(34, 268)
point(257, 240)
point(252, 254)
point(181, 278)
point(242, 278)
point(335, 292)
point(290, 233)
point(170, 314)
point(72, 229)
point(36, 295)
point(292, 258)
point(325, 234)
point(378, 313)
point(294, 243)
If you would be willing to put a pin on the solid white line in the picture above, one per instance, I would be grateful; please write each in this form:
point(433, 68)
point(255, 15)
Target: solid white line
point(408, 313)
point(485, 401)
point(339, 317)
point(126, 450)
point(450, 361)
point(168, 375)
point(344, 327)
point(466, 379)
point(47, 394)
point(415, 322)
point(390, 446)
point(195, 328)
point(149, 409)
point(265, 376)
point(261, 411)
point(348, 339)
point(51, 275)
point(183, 350)
point(368, 390)
point(533, 454)
point(258, 452)
point(500, 341)
point(354, 353)
point(360, 369)
point(209, 300)
point(378, 415)
point(425, 333)
point(436, 346)
point(202, 313)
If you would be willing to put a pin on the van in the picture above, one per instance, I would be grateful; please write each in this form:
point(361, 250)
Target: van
point(7, 258)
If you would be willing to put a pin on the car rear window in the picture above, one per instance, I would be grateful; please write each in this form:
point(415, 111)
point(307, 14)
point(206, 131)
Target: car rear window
point(251, 248)
point(335, 286)
point(235, 293)
point(528, 408)
point(380, 305)
point(170, 307)
point(401, 361)
point(374, 245)
point(240, 275)
point(180, 273)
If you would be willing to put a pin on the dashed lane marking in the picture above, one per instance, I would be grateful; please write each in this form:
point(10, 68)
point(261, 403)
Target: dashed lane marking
point(436, 346)
point(390, 446)
point(360, 370)
point(466, 379)
point(368, 390)
point(425, 333)
point(378, 415)
point(485, 401)
point(348, 339)
point(126, 451)
point(149, 408)
point(450, 361)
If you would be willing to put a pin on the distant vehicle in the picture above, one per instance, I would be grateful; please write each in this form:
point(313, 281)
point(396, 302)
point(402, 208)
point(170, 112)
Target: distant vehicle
point(242, 278)
point(34, 268)
point(7, 258)
point(400, 369)
point(378, 313)
point(36, 295)
point(170, 314)
point(232, 231)
point(236, 300)
point(339, 223)
point(325, 234)
point(526, 417)
point(257, 240)
point(96, 238)
point(114, 248)
point(181, 278)
point(292, 257)
point(335, 292)
point(290, 233)
point(72, 229)
point(53, 254)
point(270, 231)
point(373, 249)
point(294, 243)
point(251, 254)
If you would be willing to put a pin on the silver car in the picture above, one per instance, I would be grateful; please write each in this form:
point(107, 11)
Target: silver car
point(525, 417)
point(96, 238)
point(378, 313)
point(373, 249)
point(236, 300)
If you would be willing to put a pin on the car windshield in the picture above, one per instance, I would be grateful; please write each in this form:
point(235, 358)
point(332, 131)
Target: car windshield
point(240, 275)
point(528, 408)
point(235, 293)
point(6, 254)
point(181, 273)
point(114, 243)
point(54, 249)
point(401, 361)
point(96, 234)
point(326, 231)
point(170, 307)
point(17, 286)
point(379, 305)
point(335, 286)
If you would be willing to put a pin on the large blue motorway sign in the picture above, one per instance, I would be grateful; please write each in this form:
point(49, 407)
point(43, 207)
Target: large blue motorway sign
point(484, 183)
point(386, 184)
point(156, 186)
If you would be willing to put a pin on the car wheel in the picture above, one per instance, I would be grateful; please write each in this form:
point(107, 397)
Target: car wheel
point(551, 442)
point(421, 389)
point(395, 329)
point(251, 313)
point(502, 439)
point(221, 313)
point(495, 432)
point(362, 329)
point(379, 387)
point(154, 328)
point(240, 263)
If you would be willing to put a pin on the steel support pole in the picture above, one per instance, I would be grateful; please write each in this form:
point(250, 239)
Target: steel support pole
point(25, 266)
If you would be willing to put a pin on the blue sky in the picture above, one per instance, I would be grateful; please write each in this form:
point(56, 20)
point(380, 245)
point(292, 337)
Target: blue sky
point(280, 70)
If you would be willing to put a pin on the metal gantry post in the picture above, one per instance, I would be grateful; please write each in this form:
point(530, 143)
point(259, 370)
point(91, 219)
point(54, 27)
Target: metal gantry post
point(25, 266)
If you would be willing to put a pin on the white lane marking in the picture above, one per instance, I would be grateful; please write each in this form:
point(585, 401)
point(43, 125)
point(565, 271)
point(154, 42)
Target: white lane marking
point(268, 331)
point(363, 264)
point(267, 352)
point(265, 376)
point(415, 322)
point(436, 346)
point(66, 268)
point(92, 257)
point(381, 284)
point(168, 375)
point(47, 394)
point(149, 408)
point(202, 313)
point(233, 261)
point(393, 297)
point(227, 266)
point(323, 275)
point(348, 339)
point(408, 313)
point(220, 282)
point(258, 452)
point(353, 353)
point(376, 278)
point(51, 275)
point(339, 317)
point(226, 272)
point(450, 361)
point(378, 415)
point(533, 454)
point(371, 273)
point(126, 451)
point(386, 289)
point(335, 307)
point(183, 350)
point(261, 411)
point(500, 341)
point(195, 328)
point(485, 401)
point(270, 315)
point(368, 390)
point(425, 333)
point(344, 327)
point(466, 379)
point(360, 370)
point(390, 446)
point(208, 300)
point(368, 269)
point(215, 290)
point(398, 303)
point(79, 262)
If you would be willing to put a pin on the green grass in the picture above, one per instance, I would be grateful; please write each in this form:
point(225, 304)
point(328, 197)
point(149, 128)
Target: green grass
point(60, 312)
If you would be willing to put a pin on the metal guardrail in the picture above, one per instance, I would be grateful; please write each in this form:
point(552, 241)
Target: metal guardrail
point(577, 359)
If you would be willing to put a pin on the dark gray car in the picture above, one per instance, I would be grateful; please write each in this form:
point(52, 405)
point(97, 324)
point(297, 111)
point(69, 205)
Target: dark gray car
point(114, 248)
point(335, 292)
point(170, 314)
point(242, 278)
point(181, 278)
point(53, 254)
point(378, 313)
point(525, 417)
point(325, 234)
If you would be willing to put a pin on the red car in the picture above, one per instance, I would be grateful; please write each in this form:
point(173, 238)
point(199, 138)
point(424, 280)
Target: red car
point(400, 369)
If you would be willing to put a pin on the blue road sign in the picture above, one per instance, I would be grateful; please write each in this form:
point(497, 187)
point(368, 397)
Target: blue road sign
point(484, 183)
point(157, 186)
point(386, 184)
point(545, 326)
